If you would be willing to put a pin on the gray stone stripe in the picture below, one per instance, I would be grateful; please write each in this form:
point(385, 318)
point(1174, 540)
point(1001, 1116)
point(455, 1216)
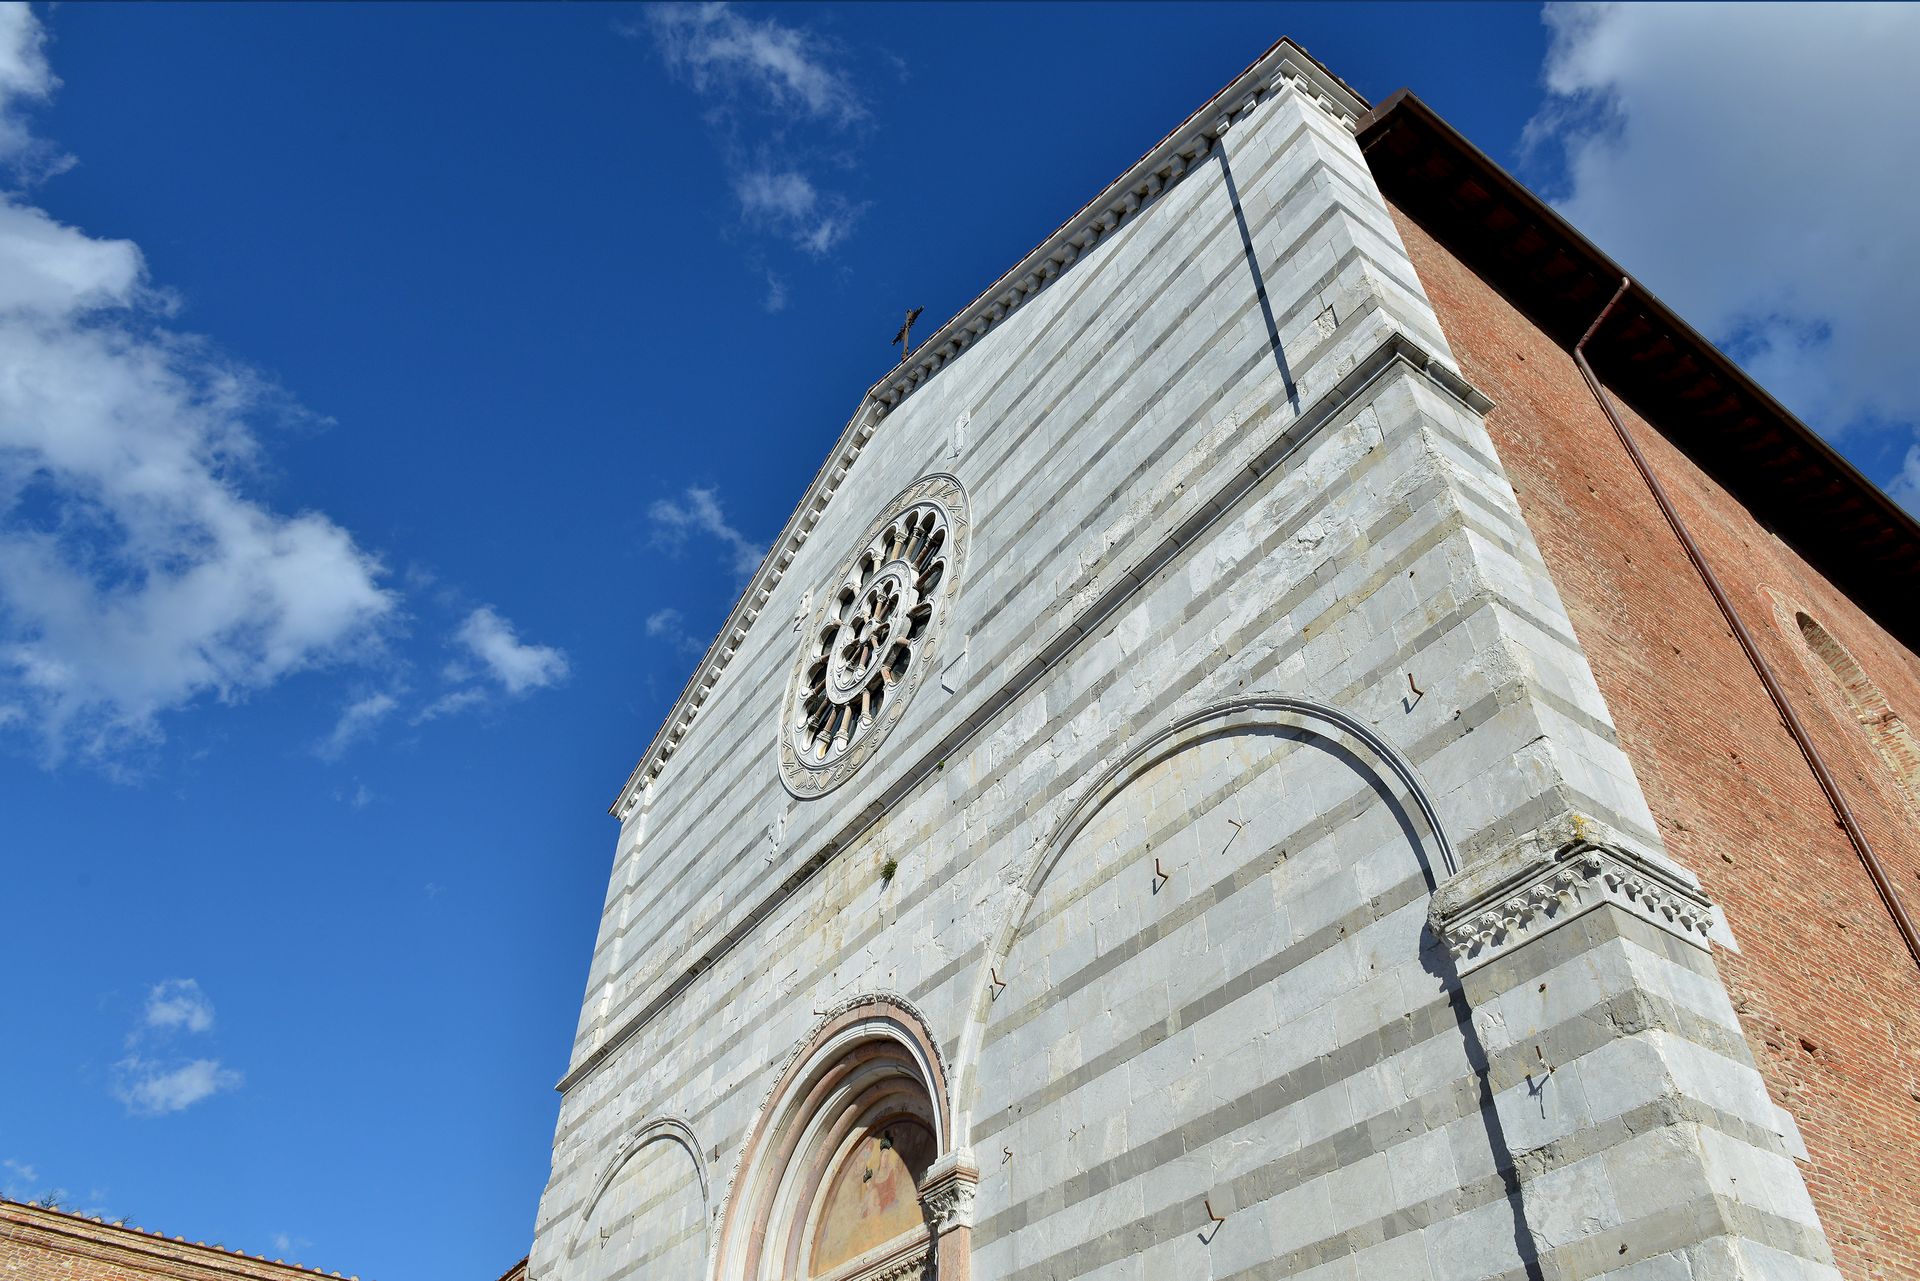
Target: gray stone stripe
point(1169, 1222)
point(725, 748)
point(1444, 525)
point(1324, 1070)
point(1281, 532)
point(1304, 184)
point(1433, 1111)
point(1625, 1014)
point(738, 743)
point(692, 1232)
point(1124, 274)
point(1074, 345)
point(1379, 1133)
point(1294, 843)
point(1678, 1227)
point(1418, 752)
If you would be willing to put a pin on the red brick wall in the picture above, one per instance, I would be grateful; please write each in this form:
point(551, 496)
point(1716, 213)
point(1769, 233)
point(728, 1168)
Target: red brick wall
point(51, 1245)
point(1827, 993)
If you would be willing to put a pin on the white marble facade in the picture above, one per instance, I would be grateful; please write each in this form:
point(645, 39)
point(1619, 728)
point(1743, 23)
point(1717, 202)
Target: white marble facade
point(1235, 877)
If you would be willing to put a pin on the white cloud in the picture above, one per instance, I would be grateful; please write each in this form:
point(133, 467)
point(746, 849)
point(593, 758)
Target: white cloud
point(1751, 164)
point(286, 1243)
point(1904, 485)
point(25, 77)
point(357, 720)
point(786, 201)
point(136, 573)
point(781, 102)
point(775, 300)
point(447, 704)
point(698, 511)
point(148, 1088)
point(670, 625)
point(151, 1082)
point(518, 667)
point(178, 1004)
point(722, 51)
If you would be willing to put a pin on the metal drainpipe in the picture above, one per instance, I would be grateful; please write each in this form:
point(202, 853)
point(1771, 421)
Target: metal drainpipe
point(1799, 731)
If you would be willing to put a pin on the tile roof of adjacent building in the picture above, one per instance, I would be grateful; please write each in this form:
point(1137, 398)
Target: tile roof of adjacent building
point(115, 1243)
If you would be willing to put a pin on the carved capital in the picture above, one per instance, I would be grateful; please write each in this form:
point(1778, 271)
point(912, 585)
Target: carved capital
point(1552, 878)
point(946, 1193)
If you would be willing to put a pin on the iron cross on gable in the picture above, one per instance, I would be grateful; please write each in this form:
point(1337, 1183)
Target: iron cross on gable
point(904, 339)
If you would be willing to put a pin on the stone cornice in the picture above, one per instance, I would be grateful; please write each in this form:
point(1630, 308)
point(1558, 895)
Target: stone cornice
point(1284, 68)
point(1553, 877)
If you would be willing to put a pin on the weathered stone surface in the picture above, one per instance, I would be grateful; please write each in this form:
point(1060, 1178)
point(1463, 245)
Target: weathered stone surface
point(1253, 655)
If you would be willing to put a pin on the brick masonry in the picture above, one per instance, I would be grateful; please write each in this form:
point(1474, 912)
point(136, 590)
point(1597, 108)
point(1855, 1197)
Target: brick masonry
point(41, 1244)
point(1827, 996)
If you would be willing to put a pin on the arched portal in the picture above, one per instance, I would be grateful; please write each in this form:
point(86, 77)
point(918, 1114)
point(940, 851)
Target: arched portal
point(850, 1171)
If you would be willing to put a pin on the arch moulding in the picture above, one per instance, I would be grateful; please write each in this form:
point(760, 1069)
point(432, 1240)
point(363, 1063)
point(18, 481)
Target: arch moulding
point(1245, 714)
point(657, 1129)
point(870, 1071)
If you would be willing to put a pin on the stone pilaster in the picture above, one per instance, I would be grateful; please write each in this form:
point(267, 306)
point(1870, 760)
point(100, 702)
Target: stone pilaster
point(1629, 1107)
point(946, 1194)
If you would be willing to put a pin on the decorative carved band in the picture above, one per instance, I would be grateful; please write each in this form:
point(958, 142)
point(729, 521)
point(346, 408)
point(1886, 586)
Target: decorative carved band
point(1542, 885)
point(946, 1193)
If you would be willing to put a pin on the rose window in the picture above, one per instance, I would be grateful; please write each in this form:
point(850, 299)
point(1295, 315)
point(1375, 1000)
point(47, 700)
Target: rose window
point(868, 646)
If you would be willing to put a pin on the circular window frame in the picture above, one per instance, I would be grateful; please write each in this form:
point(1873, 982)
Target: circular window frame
point(805, 778)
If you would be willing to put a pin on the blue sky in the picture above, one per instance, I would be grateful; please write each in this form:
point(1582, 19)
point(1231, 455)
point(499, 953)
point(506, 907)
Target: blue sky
point(392, 398)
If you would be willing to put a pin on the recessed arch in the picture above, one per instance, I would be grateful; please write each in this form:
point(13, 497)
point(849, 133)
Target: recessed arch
point(1883, 727)
point(1389, 772)
point(838, 1169)
point(663, 1159)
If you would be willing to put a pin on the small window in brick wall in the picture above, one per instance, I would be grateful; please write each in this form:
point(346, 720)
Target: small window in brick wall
point(1884, 729)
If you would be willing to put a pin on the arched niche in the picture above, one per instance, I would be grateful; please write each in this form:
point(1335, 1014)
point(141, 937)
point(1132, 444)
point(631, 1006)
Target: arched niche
point(1241, 893)
point(850, 1172)
point(646, 1214)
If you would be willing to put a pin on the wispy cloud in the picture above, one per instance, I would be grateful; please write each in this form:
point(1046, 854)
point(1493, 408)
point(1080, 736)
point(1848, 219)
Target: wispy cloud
point(21, 1181)
point(670, 625)
point(148, 1088)
point(287, 1243)
point(156, 1077)
point(787, 202)
point(723, 52)
point(1782, 227)
point(25, 77)
point(357, 720)
point(516, 665)
point(782, 104)
point(137, 572)
point(450, 703)
point(697, 511)
point(492, 660)
point(178, 1003)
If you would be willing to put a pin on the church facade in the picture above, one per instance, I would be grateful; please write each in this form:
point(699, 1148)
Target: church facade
point(1225, 773)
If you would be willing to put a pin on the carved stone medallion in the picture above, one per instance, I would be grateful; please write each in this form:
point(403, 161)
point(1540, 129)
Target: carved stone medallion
point(871, 642)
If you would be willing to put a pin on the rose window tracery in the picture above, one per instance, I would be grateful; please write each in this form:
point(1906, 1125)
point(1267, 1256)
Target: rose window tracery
point(870, 644)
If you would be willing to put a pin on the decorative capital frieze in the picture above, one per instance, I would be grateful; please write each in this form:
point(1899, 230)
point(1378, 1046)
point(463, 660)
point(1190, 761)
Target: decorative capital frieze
point(1551, 878)
point(946, 1193)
